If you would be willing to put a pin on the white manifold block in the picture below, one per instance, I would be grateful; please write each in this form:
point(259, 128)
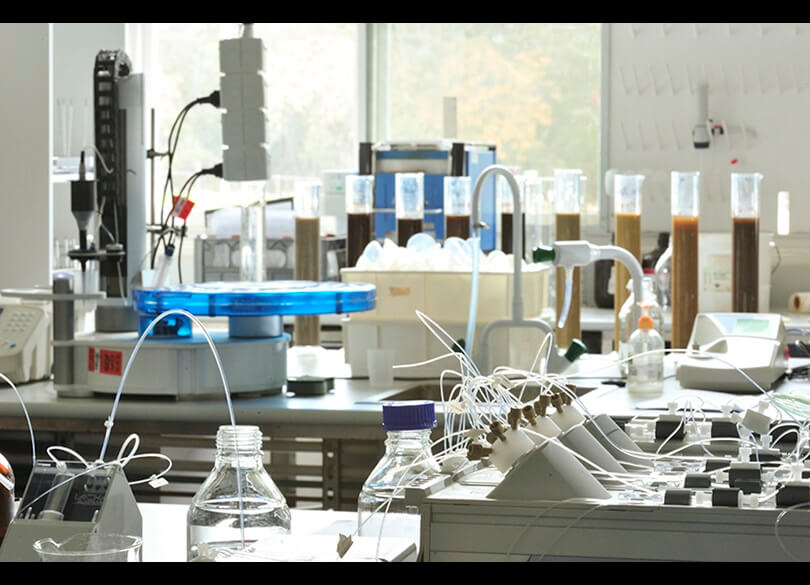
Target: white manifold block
point(243, 96)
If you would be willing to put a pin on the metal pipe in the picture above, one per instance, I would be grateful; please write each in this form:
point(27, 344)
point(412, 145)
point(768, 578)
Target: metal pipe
point(517, 230)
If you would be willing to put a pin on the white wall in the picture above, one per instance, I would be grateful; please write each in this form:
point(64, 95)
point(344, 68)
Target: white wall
point(759, 88)
point(25, 148)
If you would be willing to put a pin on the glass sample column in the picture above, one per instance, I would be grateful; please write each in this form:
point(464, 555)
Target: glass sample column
point(567, 201)
point(457, 207)
point(685, 205)
point(409, 193)
point(359, 208)
point(307, 255)
point(508, 212)
point(627, 206)
point(745, 261)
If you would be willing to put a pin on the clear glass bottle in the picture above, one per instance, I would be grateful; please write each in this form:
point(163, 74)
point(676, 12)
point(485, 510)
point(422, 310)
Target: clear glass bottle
point(646, 372)
point(408, 461)
point(626, 322)
point(214, 514)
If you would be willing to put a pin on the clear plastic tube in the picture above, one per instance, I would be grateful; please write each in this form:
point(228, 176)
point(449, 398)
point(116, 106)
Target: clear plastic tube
point(473, 309)
point(111, 420)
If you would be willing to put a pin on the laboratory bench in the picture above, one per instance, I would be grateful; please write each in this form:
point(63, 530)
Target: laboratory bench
point(319, 449)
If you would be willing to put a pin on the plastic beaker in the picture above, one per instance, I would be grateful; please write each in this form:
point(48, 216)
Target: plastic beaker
point(90, 548)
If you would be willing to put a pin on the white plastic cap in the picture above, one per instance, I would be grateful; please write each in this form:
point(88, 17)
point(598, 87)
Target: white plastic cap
point(745, 454)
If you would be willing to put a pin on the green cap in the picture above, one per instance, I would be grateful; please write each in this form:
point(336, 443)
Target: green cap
point(543, 254)
point(576, 349)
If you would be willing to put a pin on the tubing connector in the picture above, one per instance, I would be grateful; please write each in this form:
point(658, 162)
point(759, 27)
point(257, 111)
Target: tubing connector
point(542, 404)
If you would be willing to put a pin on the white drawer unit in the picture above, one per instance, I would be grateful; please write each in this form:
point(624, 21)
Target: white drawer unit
point(24, 351)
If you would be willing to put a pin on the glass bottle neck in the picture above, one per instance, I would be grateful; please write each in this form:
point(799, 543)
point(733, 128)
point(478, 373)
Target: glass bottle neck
point(407, 442)
point(239, 446)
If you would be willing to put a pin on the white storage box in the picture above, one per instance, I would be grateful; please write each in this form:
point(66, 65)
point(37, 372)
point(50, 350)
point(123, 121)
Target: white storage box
point(444, 297)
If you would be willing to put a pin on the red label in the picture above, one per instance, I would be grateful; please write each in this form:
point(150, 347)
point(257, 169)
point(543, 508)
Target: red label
point(110, 362)
point(91, 359)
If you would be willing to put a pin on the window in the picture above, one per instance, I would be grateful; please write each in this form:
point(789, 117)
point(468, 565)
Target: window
point(533, 89)
point(311, 73)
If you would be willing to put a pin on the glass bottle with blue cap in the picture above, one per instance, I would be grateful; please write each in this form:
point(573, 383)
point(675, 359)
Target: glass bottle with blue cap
point(408, 461)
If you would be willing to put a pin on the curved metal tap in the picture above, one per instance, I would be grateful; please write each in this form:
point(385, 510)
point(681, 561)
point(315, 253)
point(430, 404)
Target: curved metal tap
point(517, 230)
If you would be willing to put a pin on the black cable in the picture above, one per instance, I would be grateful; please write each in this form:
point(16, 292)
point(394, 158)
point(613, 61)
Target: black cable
point(180, 253)
point(173, 141)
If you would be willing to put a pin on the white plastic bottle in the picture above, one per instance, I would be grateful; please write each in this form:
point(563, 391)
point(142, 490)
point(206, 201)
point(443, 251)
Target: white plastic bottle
point(646, 372)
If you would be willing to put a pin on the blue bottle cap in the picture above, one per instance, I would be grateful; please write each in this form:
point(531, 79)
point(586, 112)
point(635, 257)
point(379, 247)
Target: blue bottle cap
point(411, 415)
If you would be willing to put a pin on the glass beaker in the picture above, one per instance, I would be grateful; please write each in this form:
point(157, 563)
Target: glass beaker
point(409, 195)
point(685, 188)
point(567, 204)
point(627, 208)
point(359, 208)
point(745, 261)
point(90, 548)
point(457, 207)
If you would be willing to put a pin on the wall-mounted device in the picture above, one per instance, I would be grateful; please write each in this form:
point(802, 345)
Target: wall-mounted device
point(243, 89)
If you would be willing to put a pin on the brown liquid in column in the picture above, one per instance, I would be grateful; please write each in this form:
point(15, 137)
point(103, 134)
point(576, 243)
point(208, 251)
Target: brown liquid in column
point(406, 228)
point(507, 229)
point(457, 226)
point(745, 279)
point(307, 329)
point(684, 278)
point(567, 225)
point(628, 236)
point(359, 235)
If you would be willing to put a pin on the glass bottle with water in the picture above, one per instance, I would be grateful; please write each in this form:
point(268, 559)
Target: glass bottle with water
point(408, 461)
point(214, 518)
point(646, 372)
point(627, 324)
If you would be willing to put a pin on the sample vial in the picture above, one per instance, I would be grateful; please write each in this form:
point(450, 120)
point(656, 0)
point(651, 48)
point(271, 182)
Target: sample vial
point(457, 207)
point(409, 195)
point(627, 207)
point(307, 329)
point(745, 261)
point(359, 208)
point(685, 205)
point(567, 204)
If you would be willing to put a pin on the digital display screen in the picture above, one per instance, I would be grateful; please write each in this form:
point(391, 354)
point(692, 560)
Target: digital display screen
point(752, 326)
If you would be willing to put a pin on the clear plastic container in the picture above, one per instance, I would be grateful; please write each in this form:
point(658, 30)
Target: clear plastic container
point(409, 203)
point(90, 548)
point(646, 372)
point(685, 207)
point(627, 324)
point(214, 515)
point(627, 208)
point(408, 461)
point(307, 329)
point(359, 208)
point(457, 207)
point(745, 219)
